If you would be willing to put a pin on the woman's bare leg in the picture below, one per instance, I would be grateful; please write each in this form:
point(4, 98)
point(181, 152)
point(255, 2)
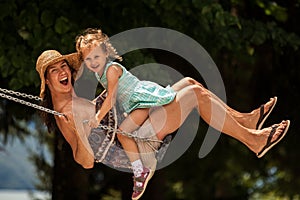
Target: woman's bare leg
point(195, 96)
point(248, 120)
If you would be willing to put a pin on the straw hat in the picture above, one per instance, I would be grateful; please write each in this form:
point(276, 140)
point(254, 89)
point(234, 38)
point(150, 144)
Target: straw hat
point(50, 57)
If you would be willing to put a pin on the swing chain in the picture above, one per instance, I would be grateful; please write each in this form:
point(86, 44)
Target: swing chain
point(108, 128)
point(4, 92)
point(127, 134)
point(30, 104)
point(131, 135)
point(29, 96)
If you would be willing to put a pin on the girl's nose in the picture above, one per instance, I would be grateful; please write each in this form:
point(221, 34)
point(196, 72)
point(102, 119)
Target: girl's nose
point(93, 63)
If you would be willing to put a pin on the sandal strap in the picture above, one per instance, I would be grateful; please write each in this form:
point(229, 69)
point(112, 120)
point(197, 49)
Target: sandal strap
point(139, 179)
point(138, 189)
point(273, 130)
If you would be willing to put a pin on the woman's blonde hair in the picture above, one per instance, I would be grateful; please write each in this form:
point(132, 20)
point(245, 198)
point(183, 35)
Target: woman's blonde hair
point(93, 36)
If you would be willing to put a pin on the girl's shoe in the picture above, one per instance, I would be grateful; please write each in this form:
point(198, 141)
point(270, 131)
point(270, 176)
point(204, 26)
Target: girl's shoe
point(144, 179)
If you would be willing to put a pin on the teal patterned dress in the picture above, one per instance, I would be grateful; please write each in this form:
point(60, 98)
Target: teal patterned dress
point(133, 93)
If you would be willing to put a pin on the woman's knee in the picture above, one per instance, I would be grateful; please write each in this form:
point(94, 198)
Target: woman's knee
point(194, 95)
point(191, 81)
point(201, 93)
point(188, 80)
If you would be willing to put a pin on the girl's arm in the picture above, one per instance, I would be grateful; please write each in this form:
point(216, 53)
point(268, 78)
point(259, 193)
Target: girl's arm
point(113, 74)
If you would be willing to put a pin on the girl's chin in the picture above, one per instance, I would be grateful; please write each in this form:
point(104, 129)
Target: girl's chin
point(96, 69)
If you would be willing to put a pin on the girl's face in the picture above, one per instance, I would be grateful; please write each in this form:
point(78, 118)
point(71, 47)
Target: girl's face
point(95, 58)
point(59, 77)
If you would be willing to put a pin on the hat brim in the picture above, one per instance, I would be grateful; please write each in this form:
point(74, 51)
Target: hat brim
point(73, 60)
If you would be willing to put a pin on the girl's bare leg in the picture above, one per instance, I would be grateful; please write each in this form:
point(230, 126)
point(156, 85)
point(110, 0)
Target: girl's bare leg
point(248, 120)
point(195, 96)
point(132, 122)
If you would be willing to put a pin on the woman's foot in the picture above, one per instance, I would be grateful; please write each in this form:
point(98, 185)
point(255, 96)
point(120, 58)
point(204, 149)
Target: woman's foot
point(269, 137)
point(264, 112)
point(257, 117)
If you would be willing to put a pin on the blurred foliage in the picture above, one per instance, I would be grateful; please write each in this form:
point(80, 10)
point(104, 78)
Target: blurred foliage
point(255, 44)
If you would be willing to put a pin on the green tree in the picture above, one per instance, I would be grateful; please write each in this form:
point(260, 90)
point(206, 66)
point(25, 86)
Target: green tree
point(254, 44)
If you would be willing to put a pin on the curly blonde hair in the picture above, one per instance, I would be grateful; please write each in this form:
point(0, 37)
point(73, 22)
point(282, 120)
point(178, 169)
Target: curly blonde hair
point(93, 36)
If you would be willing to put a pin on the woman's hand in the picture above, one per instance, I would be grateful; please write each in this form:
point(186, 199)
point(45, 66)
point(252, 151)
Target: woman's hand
point(93, 122)
point(66, 118)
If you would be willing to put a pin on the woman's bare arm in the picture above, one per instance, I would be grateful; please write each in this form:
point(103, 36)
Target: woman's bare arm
point(70, 132)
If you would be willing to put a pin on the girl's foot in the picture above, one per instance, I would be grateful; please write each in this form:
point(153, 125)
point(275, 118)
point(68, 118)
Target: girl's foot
point(140, 183)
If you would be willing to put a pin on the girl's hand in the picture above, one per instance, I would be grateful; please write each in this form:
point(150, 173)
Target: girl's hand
point(93, 122)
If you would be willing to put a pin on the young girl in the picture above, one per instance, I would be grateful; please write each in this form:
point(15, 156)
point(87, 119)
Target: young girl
point(134, 96)
point(138, 97)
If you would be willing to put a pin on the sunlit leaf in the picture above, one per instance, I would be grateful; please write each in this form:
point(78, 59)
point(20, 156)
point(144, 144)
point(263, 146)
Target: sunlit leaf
point(47, 18)
point(61, 25)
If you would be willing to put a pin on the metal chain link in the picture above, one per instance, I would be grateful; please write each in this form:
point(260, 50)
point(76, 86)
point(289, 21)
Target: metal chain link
point(24, 95)
point(40, 107)
point(31, 104)
point(104, 127)
point(131, 135)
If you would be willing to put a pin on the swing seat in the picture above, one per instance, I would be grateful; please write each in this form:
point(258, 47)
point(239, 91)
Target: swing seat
point(108, 150)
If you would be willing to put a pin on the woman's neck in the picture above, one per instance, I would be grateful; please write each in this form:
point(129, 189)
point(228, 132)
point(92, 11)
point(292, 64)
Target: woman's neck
point(61, 100)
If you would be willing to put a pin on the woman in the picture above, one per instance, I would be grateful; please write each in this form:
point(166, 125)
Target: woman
point(57, 74)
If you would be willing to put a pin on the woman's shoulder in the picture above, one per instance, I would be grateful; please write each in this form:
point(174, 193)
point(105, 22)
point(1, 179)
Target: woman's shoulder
point(81, 103)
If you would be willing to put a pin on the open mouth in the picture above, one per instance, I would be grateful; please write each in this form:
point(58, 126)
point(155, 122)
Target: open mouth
point(64, 81)
point(95, 67)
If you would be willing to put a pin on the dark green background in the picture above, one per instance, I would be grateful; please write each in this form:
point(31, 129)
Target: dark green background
point(255, 45)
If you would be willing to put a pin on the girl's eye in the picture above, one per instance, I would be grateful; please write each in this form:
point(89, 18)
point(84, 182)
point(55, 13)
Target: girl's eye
point(87, 61)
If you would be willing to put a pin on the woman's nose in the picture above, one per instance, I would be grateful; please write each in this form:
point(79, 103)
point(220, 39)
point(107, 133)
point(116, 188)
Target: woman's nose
point(63, 71)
